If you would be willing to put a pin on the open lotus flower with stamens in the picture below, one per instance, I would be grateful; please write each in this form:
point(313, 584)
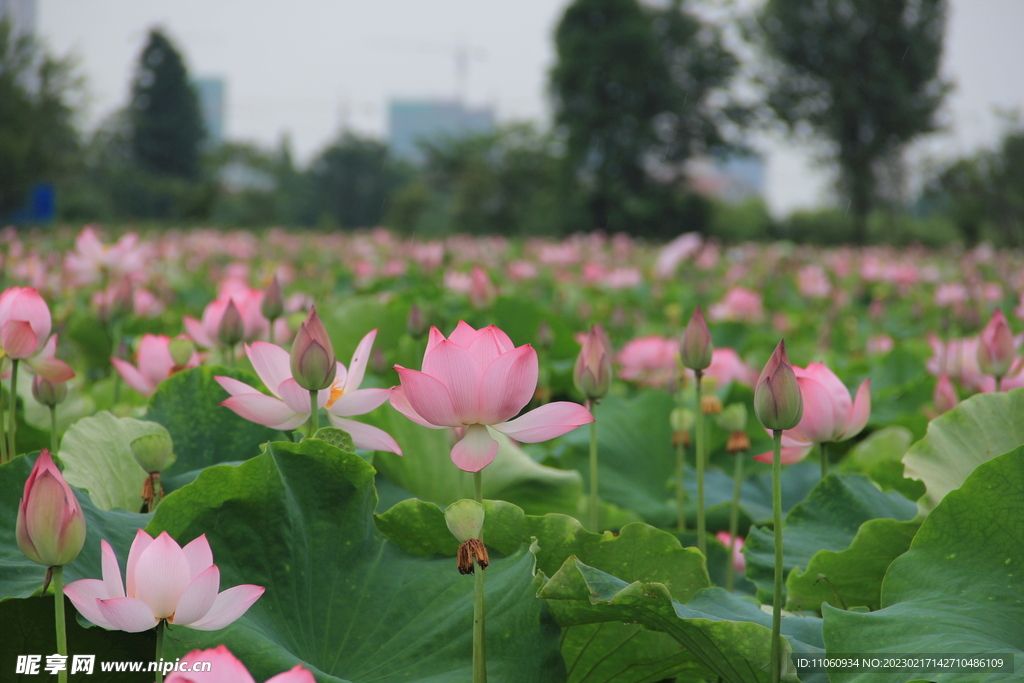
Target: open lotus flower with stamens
point(225, 668)
point(477, 379)
point(25, 326)
point(288, 408)
point(829, 413)
point(164, 581)
point(155, 364)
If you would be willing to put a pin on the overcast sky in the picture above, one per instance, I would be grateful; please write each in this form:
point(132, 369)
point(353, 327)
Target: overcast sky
point(309, 67)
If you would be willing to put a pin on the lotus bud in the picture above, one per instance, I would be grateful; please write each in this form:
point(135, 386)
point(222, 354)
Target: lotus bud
point(154, 452)
point(778, 403)
point(416, 324)
point(995, 347)
point(592, 373)
point(232, 328)
point(51, 527)
point(733, 418)
point(181, 350)
point(545, 336)
point(944, 397)
point(481, 289)
point(465, 519)
point(695, 348)
point(313, 363)
point(272, 305)
point(48, 393)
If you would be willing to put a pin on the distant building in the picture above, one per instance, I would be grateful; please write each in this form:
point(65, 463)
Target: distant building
point(731, 179)
point(21, 14)
point(211, 106)
point(412, 121)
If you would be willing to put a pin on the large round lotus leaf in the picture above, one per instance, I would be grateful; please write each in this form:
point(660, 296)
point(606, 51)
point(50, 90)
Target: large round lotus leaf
point(340, 598)
point(979, 429)
point(958, 590)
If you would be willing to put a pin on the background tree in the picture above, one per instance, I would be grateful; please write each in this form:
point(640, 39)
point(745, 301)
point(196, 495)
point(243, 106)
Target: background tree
point(38, 140)
point(863, 74)
point(632, 92)
point(167, 126)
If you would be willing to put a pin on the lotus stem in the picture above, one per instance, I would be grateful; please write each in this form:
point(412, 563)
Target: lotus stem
point(594, 502)
point(4, 455)
point(57, 574)
point(734, 519)
point(680, 468)
point(479, 642)
point(12, 424)
point(702, 543)
point(777, 520)
point(314, 412)
point(160, 651)
point(53, 430)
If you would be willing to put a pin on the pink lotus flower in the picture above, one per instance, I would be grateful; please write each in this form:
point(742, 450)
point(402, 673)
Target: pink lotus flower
point(51, 527)
point(25, 325)
point(740, 304)
point(249, 303)
point(739, 562)
point(92, 258)
point(154, 364)
point(829, 414)
point(224, 667)
point(651, 360)
point(477, 379)
point(164, 581)
point(958, 358)
point(288, 407)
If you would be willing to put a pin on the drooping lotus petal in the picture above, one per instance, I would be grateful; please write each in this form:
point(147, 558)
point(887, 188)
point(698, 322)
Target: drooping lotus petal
point(507, 384)
point(229, 606)
point(234, 387)
point(366, 436)
point(546, 422)
point(265, 410)
point(127, 614)
point(475, 450)
point(52, 369)
point(429, 397)
point(133, 377)
point(85, 595)
point(787, 456)
point(198, 597)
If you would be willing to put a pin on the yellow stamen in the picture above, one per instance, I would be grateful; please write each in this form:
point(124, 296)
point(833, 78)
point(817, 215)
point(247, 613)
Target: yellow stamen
point(337, 391)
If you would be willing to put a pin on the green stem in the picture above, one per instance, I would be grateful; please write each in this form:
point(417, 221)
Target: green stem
point(702, 544)
point(594, 522)
point(270, 335)
point(824, 461)
point(58, 613)
point(231, 356)
point(777, 518)
point(680, 468)
point(12, 425)
point(53, 430)
point(4, 455)
point(154, 480)
point(314, 412)
point(160, 650)
point(479, 641)
point(734, 519)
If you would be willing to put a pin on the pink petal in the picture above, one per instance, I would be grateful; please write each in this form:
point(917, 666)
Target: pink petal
point(52, 369)
point(464, 335)
point(455, 367)
point(433, 339)
point(821, 420)
point(860, 412)
point(838, 392)
point(265, 410)
point(111, 572)
point(508, 384)
point(271, 363)
point(141, 542)
point(26, 304)
point(85, 595)
point(224, 668)
point(49, 349)
point(359, 401)
point(18, 339)
point(366, 436)
point(234, 387)
point(229, 606)
point(296, 674)
point(428, 397)
point(787, 456)
point(133, 377)
point(294, 396)
point(546, 422)
point(357, 368)
point(486, 348)
point(155, 362)
point(198, 334)
point(475, 450)
point(400, 402)
point(128, 614)
point(198, 597)
point(161, 575)
point(199, 556)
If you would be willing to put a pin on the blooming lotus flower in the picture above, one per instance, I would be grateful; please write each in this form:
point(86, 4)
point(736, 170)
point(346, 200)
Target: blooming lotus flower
point(650, 360)
point(91, 258)
point(225, 668)
point(51, 527)
point(829, 414)
point(477, 379)
point(247, 301)
point(164, 581)
point(25, 325)
point(155, 364)
point(288, 407)
point(740, 304)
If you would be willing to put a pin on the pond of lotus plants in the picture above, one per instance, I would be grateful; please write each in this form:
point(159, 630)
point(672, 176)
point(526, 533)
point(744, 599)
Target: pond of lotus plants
point(297, 457)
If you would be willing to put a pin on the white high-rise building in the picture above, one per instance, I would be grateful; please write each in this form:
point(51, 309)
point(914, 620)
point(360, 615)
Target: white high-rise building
point(21, 14)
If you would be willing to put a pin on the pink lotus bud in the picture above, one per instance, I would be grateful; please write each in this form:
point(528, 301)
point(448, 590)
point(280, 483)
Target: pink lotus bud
point(777, 400)
point(181, 349)
point(995, 347)
point(944, 397)
point(312, 359)
point(231, 329)
point(592, 373)
point(272, 305)
point(481, 290)
point(24, 322)
point(416, 324)
point(48, 393)
point(50, 527)
point(545, 336)
point(696, 348)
